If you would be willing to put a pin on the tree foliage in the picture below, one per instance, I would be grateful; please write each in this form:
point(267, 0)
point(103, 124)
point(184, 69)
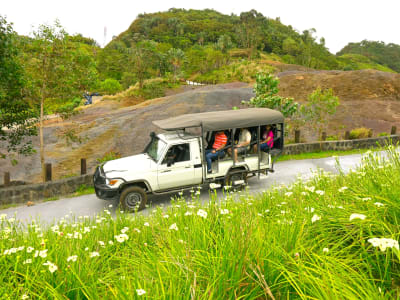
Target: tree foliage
point(378, 52)
point(266, 90)
point(16, 117)
point(321, 104)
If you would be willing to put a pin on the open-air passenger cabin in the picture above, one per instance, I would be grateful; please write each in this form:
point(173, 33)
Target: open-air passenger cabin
point(253, 119)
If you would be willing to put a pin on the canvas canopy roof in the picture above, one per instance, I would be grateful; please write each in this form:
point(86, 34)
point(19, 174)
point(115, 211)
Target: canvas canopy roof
point(220, 120)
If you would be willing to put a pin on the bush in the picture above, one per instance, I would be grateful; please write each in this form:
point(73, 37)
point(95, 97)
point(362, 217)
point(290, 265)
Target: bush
point(111, 155)
point(332, 138)
point(360, 133)
point(383, 134)
point(110, 86)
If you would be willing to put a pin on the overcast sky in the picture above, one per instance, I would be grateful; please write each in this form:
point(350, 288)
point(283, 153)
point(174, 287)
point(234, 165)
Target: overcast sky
point(338, 21)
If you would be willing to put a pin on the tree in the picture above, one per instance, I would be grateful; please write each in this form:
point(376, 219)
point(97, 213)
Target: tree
point(266, 89)
point(250, 30)
point(55, 68)
point(320, 105)
point(176, 57)
point(16, 117)
point(141, 58)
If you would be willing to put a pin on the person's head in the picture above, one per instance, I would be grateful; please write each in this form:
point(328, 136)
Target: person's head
point(220, 132)
point(268, 127)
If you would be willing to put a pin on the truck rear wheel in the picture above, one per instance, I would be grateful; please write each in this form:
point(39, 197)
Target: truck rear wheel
point(236, 179)
point(133, 198)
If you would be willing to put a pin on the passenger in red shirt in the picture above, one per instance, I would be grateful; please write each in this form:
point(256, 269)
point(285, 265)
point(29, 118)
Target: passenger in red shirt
point(220, 141)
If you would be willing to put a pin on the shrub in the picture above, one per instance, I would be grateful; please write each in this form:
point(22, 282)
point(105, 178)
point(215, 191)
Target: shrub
point(332, 138)
point(360, 133)
point(383, 134)
point(111, 155)
point(110, 86)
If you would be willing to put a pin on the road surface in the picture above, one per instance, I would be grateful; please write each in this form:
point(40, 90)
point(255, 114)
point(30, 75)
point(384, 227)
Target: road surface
point(285, 173)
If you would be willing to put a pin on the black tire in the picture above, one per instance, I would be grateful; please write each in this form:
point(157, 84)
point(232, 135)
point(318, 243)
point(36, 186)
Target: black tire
point(234, 176)
point(133, 198)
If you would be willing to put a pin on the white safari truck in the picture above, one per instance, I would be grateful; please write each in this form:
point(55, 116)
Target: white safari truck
point(176, 160)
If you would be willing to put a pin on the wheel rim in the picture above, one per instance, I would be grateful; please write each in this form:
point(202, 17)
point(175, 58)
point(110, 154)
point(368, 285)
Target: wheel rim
point(234, 178)
point(133, 199)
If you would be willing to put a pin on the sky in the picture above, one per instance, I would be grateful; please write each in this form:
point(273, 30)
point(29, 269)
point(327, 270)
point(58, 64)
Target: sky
point(338, 21)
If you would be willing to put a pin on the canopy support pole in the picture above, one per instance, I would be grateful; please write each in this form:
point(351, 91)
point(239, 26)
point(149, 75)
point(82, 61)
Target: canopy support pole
point(258, 150)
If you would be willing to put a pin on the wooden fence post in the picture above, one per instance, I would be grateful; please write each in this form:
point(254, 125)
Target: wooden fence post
point(347, 135)
point(7, 178)
point(323, 137)
point(48, 172)
point(83, 166)
point(393, 130)
point(297, 136)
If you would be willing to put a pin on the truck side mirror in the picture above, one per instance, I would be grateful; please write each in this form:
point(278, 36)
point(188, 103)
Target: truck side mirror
point(152, 134)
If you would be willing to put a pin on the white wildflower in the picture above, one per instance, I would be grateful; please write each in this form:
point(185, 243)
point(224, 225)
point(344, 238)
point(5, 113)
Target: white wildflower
point(342, 189)
point(166, 216)
point(315, 218)
point(110, 242)
point(146, 224)
point(288, 194)
point(197, 193)
point(52, 267)
point(124, 230)
point(77, 235)
point(110, 206)
point(24, 297)
point(140, 292)
point(224, 211)
point(94, 254)
point(72, 258)
point(101, 243)
point(319, 192)
point(188, 213)
point(214, 186)
point(121, 238)
point(379, 204)
point(310, 189)
point(309, 209)
point(173, 227)
point(357, 216)
point(202, 213)
point(326, 250)
point(384, 243)
point(366, 199)
point(43, 253)
point(86, 229)
point(27, 261)
point(137, 230)
point(304, 193)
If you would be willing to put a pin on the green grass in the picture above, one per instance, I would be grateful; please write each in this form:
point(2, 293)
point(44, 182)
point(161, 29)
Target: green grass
point(322, 154)
point(297, 242)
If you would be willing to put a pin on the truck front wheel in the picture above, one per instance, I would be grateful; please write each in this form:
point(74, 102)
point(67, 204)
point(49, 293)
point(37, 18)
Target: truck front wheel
point(133, 198)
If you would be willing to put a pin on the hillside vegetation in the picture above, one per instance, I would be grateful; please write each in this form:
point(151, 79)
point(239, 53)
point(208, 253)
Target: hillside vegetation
point(378, 52)
point(333, 237)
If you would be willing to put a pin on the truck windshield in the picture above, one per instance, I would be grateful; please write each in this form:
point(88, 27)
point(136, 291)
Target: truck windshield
point(155, 148)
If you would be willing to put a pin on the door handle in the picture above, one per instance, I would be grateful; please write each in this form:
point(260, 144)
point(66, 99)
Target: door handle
point(188, 166)
point(165, 171)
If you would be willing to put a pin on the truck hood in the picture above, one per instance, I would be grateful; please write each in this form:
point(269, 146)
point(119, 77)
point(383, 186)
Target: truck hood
point(136, 163)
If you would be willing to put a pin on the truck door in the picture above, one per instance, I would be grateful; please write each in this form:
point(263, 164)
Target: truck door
point(176, 169)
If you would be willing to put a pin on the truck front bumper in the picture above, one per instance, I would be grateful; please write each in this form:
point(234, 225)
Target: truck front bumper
point(102, 190)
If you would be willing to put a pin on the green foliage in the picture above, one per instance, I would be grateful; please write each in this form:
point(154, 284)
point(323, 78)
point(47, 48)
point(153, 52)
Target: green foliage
point(383, 134)
point(111, 155)
point(318, 108)
point(387, 55)
point(110, 86)
point(352, 61)
point(266, 89)
point(16, 117)
point(360, 133)
point(176, 57)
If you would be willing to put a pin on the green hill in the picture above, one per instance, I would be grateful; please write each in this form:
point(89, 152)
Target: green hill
point(378, 52)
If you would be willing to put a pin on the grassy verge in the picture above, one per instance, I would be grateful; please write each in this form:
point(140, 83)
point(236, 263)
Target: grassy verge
point(323, 154)
point(320, 239)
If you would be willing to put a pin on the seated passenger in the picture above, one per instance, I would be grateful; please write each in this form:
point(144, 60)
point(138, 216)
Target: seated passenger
point(267, 140)
point(243, 143)
point(220, 140)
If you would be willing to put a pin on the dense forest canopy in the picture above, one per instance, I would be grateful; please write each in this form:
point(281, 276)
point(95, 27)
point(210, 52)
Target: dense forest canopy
point(379, 52)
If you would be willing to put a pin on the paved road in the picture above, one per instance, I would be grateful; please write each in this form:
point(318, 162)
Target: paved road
point(285, 173)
